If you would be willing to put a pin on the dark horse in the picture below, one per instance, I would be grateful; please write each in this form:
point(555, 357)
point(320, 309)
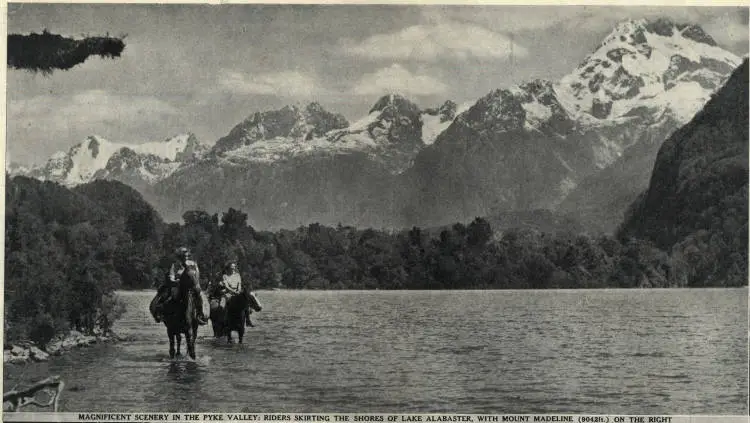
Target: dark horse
point(181, 316)
point(232, 317)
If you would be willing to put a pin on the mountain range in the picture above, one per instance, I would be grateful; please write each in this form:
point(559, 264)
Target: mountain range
point(136, 164)
point(582, 145)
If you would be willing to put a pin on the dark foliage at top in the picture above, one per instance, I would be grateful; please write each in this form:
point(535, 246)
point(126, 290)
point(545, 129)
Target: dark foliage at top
point(48, 52)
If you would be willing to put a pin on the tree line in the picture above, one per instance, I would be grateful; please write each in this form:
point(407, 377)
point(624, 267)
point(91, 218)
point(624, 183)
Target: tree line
point(463, 256)
point(67, 251)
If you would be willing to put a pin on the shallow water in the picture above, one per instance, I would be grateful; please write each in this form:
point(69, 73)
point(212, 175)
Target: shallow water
point(579, 351)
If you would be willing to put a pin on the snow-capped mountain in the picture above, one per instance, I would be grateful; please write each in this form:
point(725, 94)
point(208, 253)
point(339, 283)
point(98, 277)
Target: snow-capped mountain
point(530, 146)
point(290, 166)
point(645, 72)
point(525, 147)
point(647, 79)
point(392, 133)
point(518, 148)
point(98, 158)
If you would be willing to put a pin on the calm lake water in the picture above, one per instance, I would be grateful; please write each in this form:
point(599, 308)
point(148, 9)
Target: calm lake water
point(598, 351)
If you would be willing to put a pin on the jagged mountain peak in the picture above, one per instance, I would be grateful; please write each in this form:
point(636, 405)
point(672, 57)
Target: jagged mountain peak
point(633, 31)
point(633, 94)
point(514, 148)
point(96, 157)
point(395, 103)
point(293, 122)
point(667, 27)
point(656, 65)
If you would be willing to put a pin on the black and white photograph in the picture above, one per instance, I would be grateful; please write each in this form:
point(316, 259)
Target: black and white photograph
point(414, 209)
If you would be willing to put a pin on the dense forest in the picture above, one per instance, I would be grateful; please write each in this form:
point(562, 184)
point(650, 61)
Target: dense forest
point(67, 251)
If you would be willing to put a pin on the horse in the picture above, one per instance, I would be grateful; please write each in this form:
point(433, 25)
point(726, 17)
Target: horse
point(231, 317)
point(181, 315)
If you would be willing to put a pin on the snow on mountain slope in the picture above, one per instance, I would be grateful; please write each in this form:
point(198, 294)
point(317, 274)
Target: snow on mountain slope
point(281, 148)
point(432, 127)
point(435, 121)
point(392, 132)
point(530, 146)
point(646, 80)
point(645, 73)
point(638, 65)
point(97, 157)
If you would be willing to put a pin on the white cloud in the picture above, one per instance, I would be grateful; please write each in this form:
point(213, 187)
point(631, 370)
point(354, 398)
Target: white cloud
point(283, 84)
point(397, 79)
point(441, 39)
point(728, 29)
point(507, 19)
point(90, 108)
point(725, 24)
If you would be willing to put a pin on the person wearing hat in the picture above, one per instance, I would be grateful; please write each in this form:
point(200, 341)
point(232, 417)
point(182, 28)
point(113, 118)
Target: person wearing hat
point(184, 263)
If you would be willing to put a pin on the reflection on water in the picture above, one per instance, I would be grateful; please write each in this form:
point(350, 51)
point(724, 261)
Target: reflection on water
point(184, 372)
point(605, 351)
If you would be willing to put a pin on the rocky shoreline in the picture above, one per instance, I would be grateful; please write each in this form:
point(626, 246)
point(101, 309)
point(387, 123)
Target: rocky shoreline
point(26, 351)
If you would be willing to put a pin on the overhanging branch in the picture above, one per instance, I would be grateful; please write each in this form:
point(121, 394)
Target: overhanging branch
point(48, 52)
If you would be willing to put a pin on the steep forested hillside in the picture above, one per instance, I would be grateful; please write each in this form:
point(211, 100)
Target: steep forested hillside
point(696, 204)
point(67, 251)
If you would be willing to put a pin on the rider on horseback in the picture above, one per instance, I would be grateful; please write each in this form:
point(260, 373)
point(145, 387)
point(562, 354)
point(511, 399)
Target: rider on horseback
point(175, 273)
point(230, 285)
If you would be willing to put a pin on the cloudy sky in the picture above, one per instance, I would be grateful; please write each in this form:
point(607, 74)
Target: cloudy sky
point(203, 68)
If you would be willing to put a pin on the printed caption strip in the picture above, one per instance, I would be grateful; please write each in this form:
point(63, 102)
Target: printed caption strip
point(91, 417)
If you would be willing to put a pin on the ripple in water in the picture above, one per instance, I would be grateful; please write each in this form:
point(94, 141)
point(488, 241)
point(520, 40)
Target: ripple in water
point(603, 351)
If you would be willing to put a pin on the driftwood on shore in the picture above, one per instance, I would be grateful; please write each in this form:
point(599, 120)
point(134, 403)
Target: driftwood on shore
point(51, 386)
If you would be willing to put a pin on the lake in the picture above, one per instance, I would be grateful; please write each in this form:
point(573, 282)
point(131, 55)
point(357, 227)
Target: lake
point(657, 351)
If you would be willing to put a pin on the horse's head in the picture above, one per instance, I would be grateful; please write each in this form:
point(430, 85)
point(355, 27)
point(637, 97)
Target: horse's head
point(254, 303)
point(187, 281)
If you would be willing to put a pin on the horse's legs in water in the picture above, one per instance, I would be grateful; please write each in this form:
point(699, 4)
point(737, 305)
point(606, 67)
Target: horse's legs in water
point(178, 335)
point(190, 342)
point(194, 337)
point(171, 342)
